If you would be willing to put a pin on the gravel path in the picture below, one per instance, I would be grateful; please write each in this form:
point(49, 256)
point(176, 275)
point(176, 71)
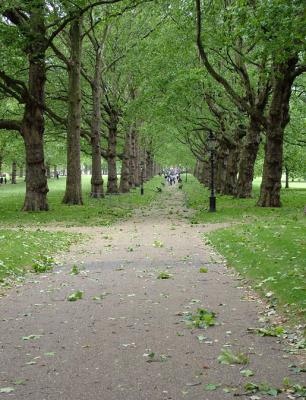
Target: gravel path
point(101, 347)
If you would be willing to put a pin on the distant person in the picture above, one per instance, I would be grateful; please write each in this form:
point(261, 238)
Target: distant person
point(5, 180)
point(57, 175)
point(1, 180)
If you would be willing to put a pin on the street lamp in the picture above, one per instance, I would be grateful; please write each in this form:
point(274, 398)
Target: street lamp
point(212, 144)
point(141, 177)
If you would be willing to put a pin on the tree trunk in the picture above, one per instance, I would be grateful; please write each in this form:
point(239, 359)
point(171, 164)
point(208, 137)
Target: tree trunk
point(196, 171)
point(55, 171)
point(132, 163)
point(112, 182)
point(287, 177)
point(137, 161)
point(21, 171)
point(125, 168)
point(221, 166)
point(14, 172)
point(247, 159)
point(278, 118)
point(32, 127)
point(149, 165)
point(73, 194)
point(48, 171)
point(230, 187)
point(96, 177)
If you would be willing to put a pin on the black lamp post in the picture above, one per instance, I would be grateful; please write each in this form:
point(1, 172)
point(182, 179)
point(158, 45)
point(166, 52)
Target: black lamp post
point(212, 144)
point(141, 178)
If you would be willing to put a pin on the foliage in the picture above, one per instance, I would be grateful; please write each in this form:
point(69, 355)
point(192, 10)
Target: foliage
point(96, 212)
point(262, 388)
point(19, 247)
point(201, 319)
point(78, 295)
point(43, 264)
point(164, 275)
point(228, 357)
point(268, 248)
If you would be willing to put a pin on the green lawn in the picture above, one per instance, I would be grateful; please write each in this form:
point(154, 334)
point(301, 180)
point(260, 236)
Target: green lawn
point(20, 246)
point(267, 246)
point(95, 212)
point(243, 210)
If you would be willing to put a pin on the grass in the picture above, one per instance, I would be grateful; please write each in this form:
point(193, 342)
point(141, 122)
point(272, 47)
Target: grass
point(20, 246)
point(231, 209)
point(95, 212)
point(267, 246)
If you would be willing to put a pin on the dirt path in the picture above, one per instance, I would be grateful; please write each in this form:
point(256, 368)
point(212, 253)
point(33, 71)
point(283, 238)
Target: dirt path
point(98, 349)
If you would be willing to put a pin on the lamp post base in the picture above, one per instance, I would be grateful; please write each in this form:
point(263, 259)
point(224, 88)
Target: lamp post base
point(212, 204)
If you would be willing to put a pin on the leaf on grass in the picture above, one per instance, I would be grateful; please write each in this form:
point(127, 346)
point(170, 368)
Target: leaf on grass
point(203, 270)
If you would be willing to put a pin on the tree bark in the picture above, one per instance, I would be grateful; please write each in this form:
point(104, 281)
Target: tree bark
point(96, 177)
point(137, 161)
point(221, 166)
point(287, 177)
point(125, 168)
point(247, 159)
point(73, 193)
point(278, 118)
point(14, 173)
point(112, 182)
point(32, 125)
point(149, 165)
point(132, 163)
point(230, 187)
point(48, 171)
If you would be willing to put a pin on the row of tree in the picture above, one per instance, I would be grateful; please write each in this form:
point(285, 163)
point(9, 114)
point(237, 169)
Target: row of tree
point(145, 81)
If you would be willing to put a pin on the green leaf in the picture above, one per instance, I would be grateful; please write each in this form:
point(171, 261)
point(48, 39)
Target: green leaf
point(228, 357)
point(19, 382)
point(158, 243)
point(246, 372)
point(75, 296)
point(203, 270)
point(31, 337)
point(74, 270)
point(201, 338)
point(164, 275)
point(211, 386)
point(7, 390)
